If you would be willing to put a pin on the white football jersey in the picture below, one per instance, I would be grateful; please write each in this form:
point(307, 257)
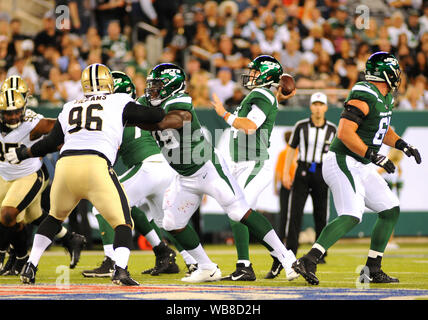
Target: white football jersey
point(15, 138)
point(94, 123)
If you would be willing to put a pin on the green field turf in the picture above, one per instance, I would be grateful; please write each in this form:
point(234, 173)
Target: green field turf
point(409, 263)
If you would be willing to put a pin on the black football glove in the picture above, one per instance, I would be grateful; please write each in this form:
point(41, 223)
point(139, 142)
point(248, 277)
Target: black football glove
point(408, 150)
point(16, 155)
point(380, 160)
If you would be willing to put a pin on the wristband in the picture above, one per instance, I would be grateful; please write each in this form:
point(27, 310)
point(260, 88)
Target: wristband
point(224, 114)
point(369, 154)
point(400, 144)
point(230, 119)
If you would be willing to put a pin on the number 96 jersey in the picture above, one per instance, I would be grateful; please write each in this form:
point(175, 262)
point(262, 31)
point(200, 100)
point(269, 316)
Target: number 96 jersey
point(375, 124)
point(14, 139)
point(94, 123)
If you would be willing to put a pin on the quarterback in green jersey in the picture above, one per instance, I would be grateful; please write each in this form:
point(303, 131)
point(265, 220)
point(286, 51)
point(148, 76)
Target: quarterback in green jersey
point(145, 181)
point(251, 127)
point(201, 170)
point(354, 183)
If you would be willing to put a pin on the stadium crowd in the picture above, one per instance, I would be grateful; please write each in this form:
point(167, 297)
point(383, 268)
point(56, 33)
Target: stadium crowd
point(320, 42)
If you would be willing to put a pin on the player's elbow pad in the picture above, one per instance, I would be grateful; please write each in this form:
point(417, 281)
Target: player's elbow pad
point(352, 113)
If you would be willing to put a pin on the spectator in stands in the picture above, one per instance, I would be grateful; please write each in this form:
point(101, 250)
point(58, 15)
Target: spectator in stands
point(107, 11)
point(139, 60)
point(415, 28)
point(235, 100)
point(280, 24)
point(398, 27)
point(423, 20)
point(116, 46)
point(269, 43)
point(73, 86)
point(140, 83)
point(305, 77)
point(212, 19)
point(200, 94)
point(291, 56)
point(49, 97)
point(16, 34)
point(50, 35)
point(369, 35)
point(27, 72)
point(227, 11)
point(316, 33)
point(222, 85)
point(227, 56)
point(413, 99)
point(204, 47)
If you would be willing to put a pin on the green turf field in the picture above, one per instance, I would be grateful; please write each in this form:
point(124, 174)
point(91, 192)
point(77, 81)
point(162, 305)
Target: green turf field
point(409, 263)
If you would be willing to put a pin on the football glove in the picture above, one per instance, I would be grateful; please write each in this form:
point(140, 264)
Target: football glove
point(16, 155)
point(408, 150)
point(380, 160)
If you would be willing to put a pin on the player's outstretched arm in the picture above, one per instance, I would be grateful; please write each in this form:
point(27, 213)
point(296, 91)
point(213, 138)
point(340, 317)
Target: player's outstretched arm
point(174, 119)
point(44, 126)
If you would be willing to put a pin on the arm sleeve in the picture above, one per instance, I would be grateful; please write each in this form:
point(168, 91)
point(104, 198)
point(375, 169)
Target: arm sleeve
point(49, 143)
point(295, 138)
point(256, 115)
point(134, 114)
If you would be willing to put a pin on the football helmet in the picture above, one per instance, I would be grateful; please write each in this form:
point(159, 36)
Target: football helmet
point(383, 67)
point(263, 71)
point(17, 83)
point(165, 80)
point(123, 84)
point(12, 108)
point(96, 78)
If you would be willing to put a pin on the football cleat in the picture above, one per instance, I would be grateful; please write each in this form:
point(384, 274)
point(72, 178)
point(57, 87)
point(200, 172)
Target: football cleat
point(275, 270)
point(307, 269)
point(28, 274)
point(7, 269)
point(242, 273)
point(105, 270)
point(376, 277)
point(18, 265)
point(74, 246)
point(191, 268)
point(201, 275)
point(165, 261)
point(122, 277)
point(2, 257)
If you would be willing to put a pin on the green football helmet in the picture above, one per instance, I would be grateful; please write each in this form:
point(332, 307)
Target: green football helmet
point(123, 84)
point(383, 67)
point(263, 71)
point(165, 80)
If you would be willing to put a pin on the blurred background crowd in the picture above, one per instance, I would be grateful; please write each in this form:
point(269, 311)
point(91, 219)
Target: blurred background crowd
point(324, 44)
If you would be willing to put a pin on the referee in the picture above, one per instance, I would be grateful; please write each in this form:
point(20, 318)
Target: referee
point(313, 137)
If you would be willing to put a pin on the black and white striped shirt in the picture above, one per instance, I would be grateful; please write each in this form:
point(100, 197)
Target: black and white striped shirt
point(313, 142)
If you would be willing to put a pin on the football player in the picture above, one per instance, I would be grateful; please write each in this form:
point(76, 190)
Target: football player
point(90, 131)
point(200, 171)
point(22, 184)
point(145, 181)
point(251, 127)
point(364, 126)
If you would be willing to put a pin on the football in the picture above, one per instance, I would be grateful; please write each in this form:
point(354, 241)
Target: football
point(287, 84)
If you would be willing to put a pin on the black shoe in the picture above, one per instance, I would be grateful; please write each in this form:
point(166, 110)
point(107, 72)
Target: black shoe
point(122, 277)
point(18, 265)
point(74, 246)
point(191, 268)
point(6, 271)
point(322, 260)
point(28, 274)
point(307, 269)
point(242, 273)
point(275, 270)
point(165, 260)
point(376, 277)
point(105, 270)
point(2, 257)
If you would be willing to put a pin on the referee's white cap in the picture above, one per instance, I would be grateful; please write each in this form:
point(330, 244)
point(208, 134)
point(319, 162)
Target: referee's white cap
point(319, 97)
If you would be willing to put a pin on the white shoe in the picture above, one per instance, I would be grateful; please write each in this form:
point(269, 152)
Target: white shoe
point(290, 274)
point(201, 275)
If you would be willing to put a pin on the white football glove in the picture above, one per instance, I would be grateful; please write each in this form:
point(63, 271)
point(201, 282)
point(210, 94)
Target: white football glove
point(12, 156)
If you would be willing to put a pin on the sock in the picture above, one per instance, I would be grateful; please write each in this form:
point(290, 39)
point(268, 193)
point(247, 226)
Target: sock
point(244, 262)
point(383, 229)
point(374, 264)
point(106, 231)
point(259, 227)
point(242, 239)
point(316, 253)
point(157, 229)
point(122, 245)
point(109, 251)
point(5, 235)
point(335, 230)
point(172, 239)
point(204, 262)
point(19, 240)
point(153, 238)
point(188, 238)
point(63, 233)
point(40, 244)
point(188, 259)
point(141, 223)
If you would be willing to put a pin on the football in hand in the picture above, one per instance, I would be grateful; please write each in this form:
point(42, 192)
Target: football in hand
point(287, 84)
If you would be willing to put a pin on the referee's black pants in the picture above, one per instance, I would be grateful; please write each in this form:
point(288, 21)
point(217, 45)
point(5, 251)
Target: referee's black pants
point(306, 183)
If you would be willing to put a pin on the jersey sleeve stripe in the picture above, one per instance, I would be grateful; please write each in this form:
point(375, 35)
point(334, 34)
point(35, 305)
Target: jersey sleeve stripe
point(266, 94)
point(179, 100)
point(363, 88)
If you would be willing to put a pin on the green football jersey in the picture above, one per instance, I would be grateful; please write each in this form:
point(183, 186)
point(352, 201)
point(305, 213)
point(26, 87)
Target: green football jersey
point(137, 145)
point(255, 146)
point(374, 126)
point(185, 149)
